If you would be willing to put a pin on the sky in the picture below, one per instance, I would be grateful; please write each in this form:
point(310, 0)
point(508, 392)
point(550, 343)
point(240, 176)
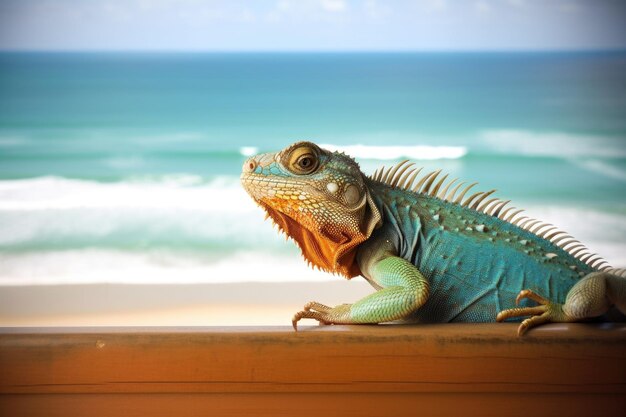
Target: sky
point(312, 25)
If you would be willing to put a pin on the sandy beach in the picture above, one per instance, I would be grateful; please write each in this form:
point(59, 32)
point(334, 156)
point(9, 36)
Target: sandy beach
point(168, 305)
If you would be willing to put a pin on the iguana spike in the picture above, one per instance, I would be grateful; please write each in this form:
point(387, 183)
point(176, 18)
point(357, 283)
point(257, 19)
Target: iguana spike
point(392, 172)
point(380, 173)
point(430, 182)
point(560, 239)
point(512, 216)
point(503, 215)
point(520, 220)
point(496, 212)
point(383, 171)
point(530, 224)
point(600, 265)
point(557, 235)
point(574, 245)
point(418, 186)
point(485, 195)
point(495, 207)
point(460, 197)
point(453, 192)
point(594, 260)
point(484, 207)
point(544, 233)
point(537, 228)
point(374, 176)
point(400, 173)
point(442, 194)
point(409, 181)
point(385, 177)
point(587, 256)
point(435, 190)
point(405, 176)
point(578, 251)
point(469, 199)
point(542, 225)
point(549, 233)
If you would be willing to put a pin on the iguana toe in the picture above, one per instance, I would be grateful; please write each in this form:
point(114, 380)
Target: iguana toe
point(546, 312)
point(323, 314)
point(308, 314)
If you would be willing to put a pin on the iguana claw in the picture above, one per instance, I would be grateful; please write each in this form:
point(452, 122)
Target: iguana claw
point(546, 312)
point(312, 310)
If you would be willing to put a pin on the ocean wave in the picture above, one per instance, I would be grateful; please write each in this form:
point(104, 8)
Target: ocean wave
point(183, 191)
point(260, 262)
point(384, 153)
point(110, 266)
point(551, 144)
point(60, 213)
point(602, 167)
point(184, 228)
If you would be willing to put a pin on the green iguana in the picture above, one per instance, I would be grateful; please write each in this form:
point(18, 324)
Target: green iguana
point(433, 254)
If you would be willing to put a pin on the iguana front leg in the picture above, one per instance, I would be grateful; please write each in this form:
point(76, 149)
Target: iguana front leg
point(403, 289)
point(591, 297)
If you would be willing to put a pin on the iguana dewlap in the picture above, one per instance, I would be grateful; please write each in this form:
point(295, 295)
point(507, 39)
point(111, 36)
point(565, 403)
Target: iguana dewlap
point(434, 251)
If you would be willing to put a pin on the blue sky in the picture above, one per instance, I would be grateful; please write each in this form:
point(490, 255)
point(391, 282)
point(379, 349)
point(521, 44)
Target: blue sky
point(312, 25)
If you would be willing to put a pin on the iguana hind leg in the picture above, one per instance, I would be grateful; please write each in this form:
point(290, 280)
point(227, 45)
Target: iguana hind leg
point(403, 290)
point(592, 296)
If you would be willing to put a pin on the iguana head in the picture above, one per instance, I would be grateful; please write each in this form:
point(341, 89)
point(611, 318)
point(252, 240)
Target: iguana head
point(318, 198)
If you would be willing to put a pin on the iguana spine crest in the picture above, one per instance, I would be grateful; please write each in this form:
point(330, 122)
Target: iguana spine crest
point(402, 175)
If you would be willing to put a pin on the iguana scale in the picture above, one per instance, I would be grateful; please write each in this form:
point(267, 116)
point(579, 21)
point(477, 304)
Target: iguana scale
point(434, 251)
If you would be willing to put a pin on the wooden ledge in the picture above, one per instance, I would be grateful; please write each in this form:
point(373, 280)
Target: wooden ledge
point(483, 369)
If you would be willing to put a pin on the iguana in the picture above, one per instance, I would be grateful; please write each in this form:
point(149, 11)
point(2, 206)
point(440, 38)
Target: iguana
point(432, 252)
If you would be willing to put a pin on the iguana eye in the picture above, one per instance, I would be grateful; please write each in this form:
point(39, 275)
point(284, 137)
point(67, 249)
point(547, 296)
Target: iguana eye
point(303, 160)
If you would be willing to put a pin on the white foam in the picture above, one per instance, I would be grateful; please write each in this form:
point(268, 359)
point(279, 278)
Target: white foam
point(248, 150)
point(383, 153)
point(52, 212)
point(556, 144)
point(172, 191)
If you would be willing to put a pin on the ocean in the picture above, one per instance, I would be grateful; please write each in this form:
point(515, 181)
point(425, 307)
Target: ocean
point(124, 167)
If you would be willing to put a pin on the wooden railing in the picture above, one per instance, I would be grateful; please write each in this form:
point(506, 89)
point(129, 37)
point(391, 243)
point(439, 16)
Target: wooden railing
point(447, 369)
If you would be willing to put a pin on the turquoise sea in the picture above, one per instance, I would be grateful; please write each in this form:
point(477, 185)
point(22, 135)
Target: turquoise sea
point(123, 167)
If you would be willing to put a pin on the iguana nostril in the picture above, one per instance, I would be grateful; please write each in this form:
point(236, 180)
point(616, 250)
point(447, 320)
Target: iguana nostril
point(249, 165)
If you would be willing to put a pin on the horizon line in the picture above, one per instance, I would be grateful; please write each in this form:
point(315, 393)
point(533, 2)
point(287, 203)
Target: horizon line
point(318, 51)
